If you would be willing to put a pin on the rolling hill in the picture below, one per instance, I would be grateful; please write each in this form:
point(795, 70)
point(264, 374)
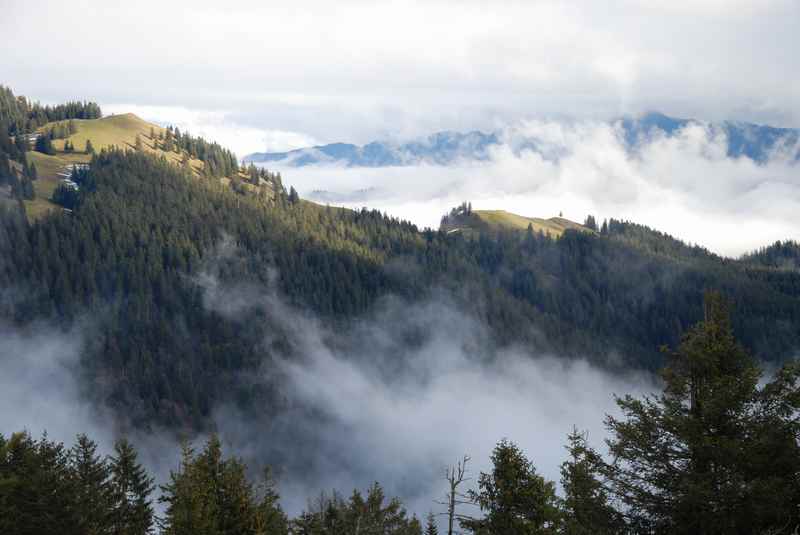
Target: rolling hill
point(463, 219)
point(144, 236)
point(122, 132)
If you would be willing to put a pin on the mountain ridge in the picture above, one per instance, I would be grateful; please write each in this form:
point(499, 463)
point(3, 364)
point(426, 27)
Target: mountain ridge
point(751, 140)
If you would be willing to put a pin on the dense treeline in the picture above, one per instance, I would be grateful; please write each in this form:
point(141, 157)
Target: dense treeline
point(141, 230)
point(48, 488)
point(713, 453)
point(780, 255)
point(218, 161)
point(18, 115)
point(19, 118)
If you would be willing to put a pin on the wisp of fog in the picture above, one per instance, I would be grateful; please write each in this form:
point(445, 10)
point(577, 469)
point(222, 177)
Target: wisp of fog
point(407, 392)
point(395, 399)
point(684, 184)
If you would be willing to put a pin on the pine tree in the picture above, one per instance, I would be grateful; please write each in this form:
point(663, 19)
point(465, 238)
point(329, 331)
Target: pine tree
point(92, 493)
point(37, 487)
point(586, 504)
point(209, 494)
point(44, 145)
point(513, 497)
point(89, 147)
point(138, 145)
point(294, 198)
point(688, 460)
point(131, 488)
point(430, 525)
point(271, 520)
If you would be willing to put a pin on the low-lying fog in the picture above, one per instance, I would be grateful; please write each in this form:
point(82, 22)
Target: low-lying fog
point(684, 185)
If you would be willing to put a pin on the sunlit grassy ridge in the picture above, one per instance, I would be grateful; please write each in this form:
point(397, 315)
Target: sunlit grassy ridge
point(119, 131)
point(555, 226)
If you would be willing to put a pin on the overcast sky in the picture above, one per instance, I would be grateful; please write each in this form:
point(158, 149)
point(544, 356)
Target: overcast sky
point(282, 74)
point(269, 76)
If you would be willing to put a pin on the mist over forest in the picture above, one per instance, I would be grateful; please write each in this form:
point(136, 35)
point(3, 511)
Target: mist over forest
point(400, 268)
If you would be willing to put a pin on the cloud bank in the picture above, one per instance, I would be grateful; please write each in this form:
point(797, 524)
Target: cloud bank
point(360, 71)
point(394, 398)
point(405, 393)
point(683, 184)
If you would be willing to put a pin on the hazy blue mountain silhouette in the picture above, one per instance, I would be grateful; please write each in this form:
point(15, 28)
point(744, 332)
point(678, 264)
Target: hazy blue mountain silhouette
point(753, 141)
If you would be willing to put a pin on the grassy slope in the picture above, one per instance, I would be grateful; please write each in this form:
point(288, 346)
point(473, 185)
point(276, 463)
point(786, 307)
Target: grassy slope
point(114, 130)
point(555, 226)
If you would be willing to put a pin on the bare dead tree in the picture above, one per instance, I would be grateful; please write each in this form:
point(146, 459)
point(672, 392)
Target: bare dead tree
point(455, 475)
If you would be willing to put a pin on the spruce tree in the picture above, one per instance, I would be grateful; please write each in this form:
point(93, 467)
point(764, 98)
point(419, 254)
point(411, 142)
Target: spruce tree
point(44, 145)
point(210, 494)
point(586, 503)
point(271, 520)
point(92, 492)
point(131, 488)
point(513, 497)
point(693, 459)
point(430, 525)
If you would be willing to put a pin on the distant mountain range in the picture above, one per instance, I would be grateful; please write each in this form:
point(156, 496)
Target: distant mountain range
point(442, 148)
point(753, 141)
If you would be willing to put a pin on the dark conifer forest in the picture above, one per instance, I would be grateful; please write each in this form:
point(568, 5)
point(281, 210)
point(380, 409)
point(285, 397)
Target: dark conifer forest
point(139, 243)
point(715, 452)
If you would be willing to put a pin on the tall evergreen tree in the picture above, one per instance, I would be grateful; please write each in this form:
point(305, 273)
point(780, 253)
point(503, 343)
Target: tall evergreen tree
point(430, 525)
point(92, 491)
point(294, 198)
point(688, 461)
point(44, 145)
point(210, 494)
point(270, 520)
point(131, 488)
point(513, 497)
point(586, 503)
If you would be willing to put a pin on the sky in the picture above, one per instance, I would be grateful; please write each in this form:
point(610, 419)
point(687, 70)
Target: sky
point(268, 76)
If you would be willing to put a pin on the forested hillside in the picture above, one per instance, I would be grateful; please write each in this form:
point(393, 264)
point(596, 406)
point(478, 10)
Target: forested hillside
point(139, 231)
point(40, 146)
point(715, 452)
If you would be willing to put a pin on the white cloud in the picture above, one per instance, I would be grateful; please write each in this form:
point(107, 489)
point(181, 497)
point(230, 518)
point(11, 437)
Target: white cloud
point(684, 185)
point(365, 405)
point(357, 71)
